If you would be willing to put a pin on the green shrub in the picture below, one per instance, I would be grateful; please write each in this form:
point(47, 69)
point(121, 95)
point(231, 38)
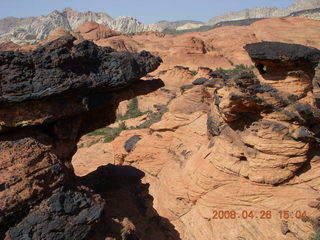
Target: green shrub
point(93, 142)
point(154, 117)
point(81, 145)
point(132, 111)
point(108, 133)
point(194, 72)
point(114, 132)
point(237, 69)
point(314, 236)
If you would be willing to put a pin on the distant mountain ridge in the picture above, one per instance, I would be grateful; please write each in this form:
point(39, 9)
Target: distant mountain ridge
point(34, 29)
point(266, 12)
point(309, 13)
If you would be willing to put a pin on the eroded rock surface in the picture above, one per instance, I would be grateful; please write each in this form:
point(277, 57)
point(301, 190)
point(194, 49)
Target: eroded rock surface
point(243, 142)
point(49, 98)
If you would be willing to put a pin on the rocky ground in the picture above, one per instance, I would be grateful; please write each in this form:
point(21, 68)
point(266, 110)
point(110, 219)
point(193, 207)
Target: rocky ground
point(213, 150)
point(244, 141)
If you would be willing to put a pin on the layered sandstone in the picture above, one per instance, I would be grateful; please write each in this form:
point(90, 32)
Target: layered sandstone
point(247, 142)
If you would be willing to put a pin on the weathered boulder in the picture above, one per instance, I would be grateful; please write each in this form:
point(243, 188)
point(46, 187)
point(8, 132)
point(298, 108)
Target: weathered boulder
point(49, 98)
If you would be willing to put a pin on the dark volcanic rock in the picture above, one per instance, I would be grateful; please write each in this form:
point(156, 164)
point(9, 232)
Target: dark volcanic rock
point(49, 98)
point(181, 67)
point(60, 66)
point(186, 87)
point(211, 83)
point(65, 215)
point(199, 81)
point(283, 52)
point(219, 74)
point(131, 143)
point(69, 79)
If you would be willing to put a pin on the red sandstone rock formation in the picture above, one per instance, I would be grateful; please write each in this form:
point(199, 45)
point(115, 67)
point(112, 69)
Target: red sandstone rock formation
point(94, 31)
point(55, 34)
point(221, 46)
point(248, 143)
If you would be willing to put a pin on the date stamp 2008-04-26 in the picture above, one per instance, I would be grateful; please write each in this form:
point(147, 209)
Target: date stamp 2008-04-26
point(262, 214)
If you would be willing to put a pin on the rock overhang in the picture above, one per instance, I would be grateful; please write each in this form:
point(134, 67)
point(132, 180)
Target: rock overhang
point(61, 66)
point(62, 79)
point(279, 52)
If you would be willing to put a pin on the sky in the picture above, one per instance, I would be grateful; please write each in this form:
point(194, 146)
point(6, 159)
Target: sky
point(146, 11)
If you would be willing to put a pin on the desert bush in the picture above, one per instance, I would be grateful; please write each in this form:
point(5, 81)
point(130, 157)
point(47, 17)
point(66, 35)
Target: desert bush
point(114, 132)
point(237, 69)
point(132, 111)
point(108, 133)
point(93, 142)
point(154, 117)
point(81, 145)
point(314, 236)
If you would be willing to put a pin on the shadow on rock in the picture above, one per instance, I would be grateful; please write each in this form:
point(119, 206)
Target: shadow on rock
point(129, 212)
